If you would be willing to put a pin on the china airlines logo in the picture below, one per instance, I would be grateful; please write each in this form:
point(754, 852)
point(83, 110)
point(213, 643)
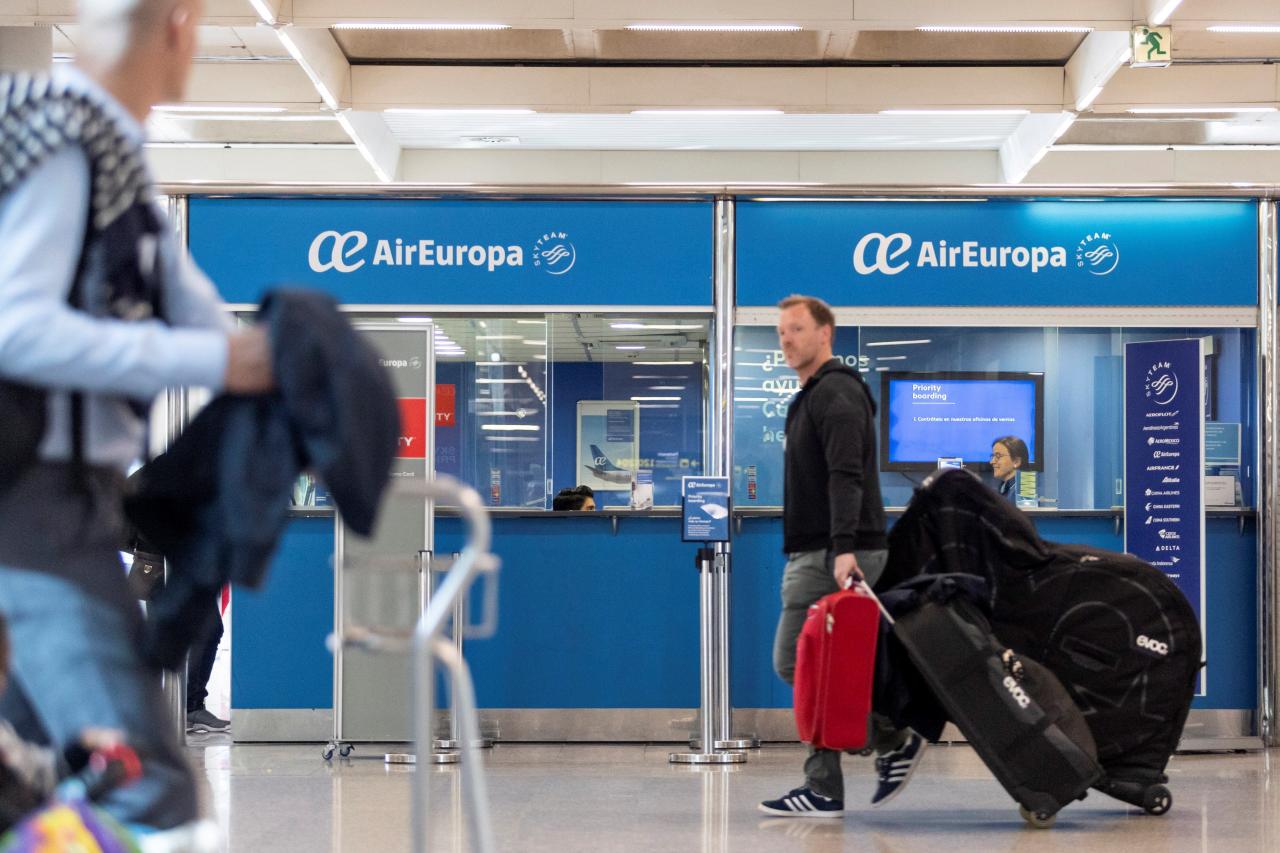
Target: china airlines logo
point(885, 250)
point(340, 248)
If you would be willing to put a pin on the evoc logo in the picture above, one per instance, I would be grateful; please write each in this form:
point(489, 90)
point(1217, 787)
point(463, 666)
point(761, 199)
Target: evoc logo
point(1145, 642)
point(1015, 690)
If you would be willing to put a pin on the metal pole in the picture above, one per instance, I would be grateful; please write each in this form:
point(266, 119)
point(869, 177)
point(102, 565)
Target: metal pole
point(707, 752)
point(1268, 480)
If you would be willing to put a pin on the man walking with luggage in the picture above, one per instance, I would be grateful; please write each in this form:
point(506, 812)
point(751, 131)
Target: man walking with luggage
point(833, 534)
point(100, 310)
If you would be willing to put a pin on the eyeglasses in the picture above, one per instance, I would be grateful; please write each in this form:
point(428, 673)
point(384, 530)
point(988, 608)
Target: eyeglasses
point(998, 455)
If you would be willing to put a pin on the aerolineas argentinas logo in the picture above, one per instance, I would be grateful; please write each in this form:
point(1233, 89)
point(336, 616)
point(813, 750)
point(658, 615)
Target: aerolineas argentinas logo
point(346, 253)
point(890, 254)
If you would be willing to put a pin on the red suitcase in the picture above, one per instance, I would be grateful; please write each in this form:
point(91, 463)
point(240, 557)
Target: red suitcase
point(835, 668)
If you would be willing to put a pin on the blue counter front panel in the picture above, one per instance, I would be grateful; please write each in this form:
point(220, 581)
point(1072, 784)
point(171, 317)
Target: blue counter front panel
point(419, 252)
point(999, 252)
point(590, 619)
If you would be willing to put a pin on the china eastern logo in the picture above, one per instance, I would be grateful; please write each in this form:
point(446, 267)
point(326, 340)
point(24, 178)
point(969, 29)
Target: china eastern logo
point(1161, 384)
point(554, 254)
point(1098, 254)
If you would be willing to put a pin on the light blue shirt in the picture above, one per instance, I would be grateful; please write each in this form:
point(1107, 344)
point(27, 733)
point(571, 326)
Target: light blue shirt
point(45, 342)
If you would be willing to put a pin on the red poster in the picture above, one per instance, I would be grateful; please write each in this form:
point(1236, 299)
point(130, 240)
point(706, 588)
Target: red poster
point(413, 428)
point(446, 410)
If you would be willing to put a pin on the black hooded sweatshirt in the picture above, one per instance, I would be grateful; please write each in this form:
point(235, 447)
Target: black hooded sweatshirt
point(832, 491)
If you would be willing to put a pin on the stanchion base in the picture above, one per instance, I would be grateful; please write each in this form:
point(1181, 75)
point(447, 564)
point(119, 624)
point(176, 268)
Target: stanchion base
point(410, 758)
point(744, 742)
point(446, 743)
point(734, 743)
point(708, 757)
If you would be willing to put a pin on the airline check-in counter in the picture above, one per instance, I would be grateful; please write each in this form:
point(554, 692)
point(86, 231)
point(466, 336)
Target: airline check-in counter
point(573, 342)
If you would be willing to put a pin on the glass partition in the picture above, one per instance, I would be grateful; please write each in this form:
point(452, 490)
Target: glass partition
point(1079, 413)
point(533, 403)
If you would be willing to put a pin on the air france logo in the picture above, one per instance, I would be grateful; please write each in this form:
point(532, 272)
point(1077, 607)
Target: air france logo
point(554, 254)
point(340, 249)
point(1098, 254)
point(1161, 384)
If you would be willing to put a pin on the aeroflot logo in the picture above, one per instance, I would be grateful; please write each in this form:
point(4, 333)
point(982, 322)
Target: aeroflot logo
point(890, 254)
point(345, 253)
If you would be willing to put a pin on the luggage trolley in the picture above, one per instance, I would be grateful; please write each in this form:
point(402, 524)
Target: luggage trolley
point(429, 642)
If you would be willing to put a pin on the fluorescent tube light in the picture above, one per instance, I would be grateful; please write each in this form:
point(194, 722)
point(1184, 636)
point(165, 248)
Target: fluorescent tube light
point(708, 112)
point(499, 381)
point(629, 346)
point(660, 363)
point(891, 358)
point(898, 343)
point(497, 337)
point(1192, 110)
point(1161, 15)
point(264, 11)
point(1245, 28)
point(330, 100)
point(197, 108)
point(663, 327)
point(1002, 28)
point(656, 399)
point(958, 112)
point(530, 343)
point(668, 387)
point(414, 319)
point(531, 322)
point(460, 111)
point(714, 28)
point(511, 427)
point(417, 25)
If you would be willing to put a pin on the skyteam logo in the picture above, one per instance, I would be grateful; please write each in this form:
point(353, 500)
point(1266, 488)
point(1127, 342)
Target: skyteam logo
point(1161, 384)
point(1098, 254)
point(554, 254)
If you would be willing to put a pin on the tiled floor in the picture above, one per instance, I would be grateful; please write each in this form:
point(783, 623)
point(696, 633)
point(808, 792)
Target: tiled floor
point(628, 798)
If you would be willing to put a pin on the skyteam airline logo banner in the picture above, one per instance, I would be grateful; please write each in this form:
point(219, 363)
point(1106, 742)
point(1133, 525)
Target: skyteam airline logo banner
point(414, 252)
point(999, 252)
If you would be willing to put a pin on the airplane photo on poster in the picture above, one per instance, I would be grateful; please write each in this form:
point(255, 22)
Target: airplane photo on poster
point(605, 469)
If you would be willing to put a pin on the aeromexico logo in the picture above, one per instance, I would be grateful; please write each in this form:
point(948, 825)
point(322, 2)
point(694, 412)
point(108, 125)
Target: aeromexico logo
point(346, 252)
point(890, 254)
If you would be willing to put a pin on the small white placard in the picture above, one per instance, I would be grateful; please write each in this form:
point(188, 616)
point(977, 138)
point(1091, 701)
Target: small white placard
point(1220, 490)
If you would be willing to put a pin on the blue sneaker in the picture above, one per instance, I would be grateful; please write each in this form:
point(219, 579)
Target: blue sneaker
point(895, 768)
point(803, 802)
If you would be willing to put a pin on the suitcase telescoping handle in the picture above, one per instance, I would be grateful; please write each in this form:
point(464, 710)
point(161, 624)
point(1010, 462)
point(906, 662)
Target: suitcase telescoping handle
point(866, 587)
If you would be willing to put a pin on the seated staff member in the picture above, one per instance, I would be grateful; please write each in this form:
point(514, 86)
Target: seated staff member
point(579, 498)
point(1008, 454)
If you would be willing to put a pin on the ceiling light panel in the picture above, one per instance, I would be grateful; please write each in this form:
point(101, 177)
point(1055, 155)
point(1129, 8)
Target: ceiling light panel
point(715, 28)
point(1248, 29)
point(1001, 28)
point(440, 26)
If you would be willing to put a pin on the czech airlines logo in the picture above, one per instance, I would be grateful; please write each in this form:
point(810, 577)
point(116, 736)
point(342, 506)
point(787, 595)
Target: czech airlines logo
point(886, 250)
point(554, 254)
point(1161, 384)
point(1098, 254)
point(340, 248)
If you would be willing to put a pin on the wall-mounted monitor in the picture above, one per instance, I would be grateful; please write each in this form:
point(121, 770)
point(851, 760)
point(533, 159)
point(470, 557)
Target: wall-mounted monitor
point(925, 416)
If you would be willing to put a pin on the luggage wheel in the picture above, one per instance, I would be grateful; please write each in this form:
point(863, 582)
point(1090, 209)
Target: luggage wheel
point(1038, 820)
point(1157, 800)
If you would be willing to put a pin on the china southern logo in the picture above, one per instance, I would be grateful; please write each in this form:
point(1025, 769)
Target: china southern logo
point(890, 254)
point(554, 254)
point(1161, 384)
point(1098, 253)
point(345, 253)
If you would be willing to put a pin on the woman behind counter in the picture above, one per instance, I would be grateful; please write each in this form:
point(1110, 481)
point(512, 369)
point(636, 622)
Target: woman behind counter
point(1008, 454)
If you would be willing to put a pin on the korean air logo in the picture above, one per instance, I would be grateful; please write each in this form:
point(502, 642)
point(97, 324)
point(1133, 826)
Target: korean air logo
point(879, 253)
point(554, 254)
point(1161, 385)
point(331, 250)
point(1098, 254)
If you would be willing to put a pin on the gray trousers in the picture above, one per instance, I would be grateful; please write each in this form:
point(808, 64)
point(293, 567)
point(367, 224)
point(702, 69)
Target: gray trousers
point(807, 578)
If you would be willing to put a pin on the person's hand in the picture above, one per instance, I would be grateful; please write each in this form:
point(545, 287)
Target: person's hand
point(93, 739)
point(846, 570)
point(249, 362)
